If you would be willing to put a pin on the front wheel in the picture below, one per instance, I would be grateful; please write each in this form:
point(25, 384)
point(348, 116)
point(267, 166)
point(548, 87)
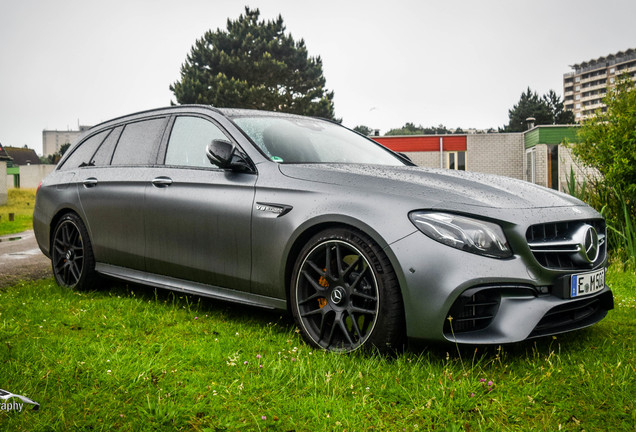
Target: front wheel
point(72, 255)
point(345, 294)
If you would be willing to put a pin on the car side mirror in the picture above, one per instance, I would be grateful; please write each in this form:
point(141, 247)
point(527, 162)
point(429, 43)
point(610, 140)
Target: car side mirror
point(220, 152)
point(225, 155)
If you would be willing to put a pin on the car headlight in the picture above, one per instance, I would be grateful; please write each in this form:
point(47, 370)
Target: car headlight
point(460, 232)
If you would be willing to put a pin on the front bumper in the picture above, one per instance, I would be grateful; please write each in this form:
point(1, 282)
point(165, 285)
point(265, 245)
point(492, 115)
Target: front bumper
point(451, 295)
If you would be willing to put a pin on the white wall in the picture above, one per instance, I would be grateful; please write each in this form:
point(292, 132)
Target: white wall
point(500, 154)
point(32, 175)
point(3, 183)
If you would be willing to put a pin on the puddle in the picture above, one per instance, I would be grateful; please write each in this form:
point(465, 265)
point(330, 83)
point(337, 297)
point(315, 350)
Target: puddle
point(8, 239)
point(23, 254)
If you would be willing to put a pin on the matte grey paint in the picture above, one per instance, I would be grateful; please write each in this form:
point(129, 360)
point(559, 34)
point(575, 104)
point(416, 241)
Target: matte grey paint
point(205, 231)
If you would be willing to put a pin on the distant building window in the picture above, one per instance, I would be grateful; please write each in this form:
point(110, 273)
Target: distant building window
point(578, 88)
point(612, 70)
point(456, 160)
point(578, 97)
point(530, 165)
point(578, 106)
point(553, 166)
point(577, 79)
point(612, 80)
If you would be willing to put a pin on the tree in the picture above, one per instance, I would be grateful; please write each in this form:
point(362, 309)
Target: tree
point(55, 157)
point(254, 64)
point(547, 109)
point(63, 148)
point(607, 141)
point(411, 129)
point(559, 114)
point(364, 130)
point(407, 129)
point(439, 130)
point(529, 105)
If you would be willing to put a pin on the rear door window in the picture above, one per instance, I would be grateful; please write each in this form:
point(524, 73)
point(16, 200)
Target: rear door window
point(139, 143)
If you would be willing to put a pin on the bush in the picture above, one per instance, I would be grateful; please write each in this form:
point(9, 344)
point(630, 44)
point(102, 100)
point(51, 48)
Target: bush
point(607, 142)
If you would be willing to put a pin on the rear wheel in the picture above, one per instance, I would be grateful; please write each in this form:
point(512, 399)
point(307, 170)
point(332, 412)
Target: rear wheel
point(345, 294)
point(72, 255)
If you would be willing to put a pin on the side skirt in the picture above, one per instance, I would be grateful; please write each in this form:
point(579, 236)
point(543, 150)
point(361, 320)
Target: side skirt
point(189, 287)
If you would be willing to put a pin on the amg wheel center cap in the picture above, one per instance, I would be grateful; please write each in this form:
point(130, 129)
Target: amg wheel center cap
point(337, 295)
point(69, 255)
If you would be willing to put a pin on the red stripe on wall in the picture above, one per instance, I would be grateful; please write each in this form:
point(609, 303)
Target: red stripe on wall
point(423, 143)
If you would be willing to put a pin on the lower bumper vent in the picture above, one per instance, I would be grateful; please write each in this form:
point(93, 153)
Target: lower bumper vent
point(574, 315)
point(473, 310)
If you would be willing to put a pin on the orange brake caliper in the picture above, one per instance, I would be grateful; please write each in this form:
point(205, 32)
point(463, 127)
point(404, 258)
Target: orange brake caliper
point(322, 302)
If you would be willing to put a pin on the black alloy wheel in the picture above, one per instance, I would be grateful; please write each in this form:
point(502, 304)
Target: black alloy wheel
point(345, 294)
point(71, 253)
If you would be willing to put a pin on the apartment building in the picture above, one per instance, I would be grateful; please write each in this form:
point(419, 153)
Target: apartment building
point(585, 87)
point(52, 140)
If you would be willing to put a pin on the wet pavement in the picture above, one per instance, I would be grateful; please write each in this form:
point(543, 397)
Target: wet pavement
point(21, 259)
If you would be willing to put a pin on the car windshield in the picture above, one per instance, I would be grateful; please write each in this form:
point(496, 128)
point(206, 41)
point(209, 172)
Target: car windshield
point(307, 140)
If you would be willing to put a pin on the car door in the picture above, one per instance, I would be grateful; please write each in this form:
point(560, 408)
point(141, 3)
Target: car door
point(112, 189)
point(198, 217)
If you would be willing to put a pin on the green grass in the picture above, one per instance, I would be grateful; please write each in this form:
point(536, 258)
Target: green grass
point(132, 358)
point(20, 203)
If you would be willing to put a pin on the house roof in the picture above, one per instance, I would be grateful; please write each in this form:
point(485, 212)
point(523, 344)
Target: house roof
point(23, 156)
point(3, 154)
point(417, 143)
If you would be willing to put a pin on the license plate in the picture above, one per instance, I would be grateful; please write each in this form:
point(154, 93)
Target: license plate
point(587, 283)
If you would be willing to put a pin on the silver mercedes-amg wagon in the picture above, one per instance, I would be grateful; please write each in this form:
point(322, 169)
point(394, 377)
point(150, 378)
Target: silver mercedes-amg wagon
point(289, 212)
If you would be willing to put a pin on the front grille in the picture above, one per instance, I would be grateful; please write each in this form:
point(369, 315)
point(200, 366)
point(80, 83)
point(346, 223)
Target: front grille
point(555, 247)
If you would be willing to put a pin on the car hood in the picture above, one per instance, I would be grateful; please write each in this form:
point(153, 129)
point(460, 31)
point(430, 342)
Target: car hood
point(433, 187)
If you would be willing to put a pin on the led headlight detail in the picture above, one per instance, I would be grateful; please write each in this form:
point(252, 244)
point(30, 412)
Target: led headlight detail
point(470, 235)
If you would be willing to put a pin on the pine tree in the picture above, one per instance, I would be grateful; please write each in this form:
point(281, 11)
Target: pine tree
point(547, 109)
point(254, 64)
point(529, 105)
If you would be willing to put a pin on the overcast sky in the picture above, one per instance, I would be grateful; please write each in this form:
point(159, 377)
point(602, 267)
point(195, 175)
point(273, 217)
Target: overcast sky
point(457, 63)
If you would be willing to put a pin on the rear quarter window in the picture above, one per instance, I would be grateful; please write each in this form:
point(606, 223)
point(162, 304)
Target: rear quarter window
point(82, 153)
point(104, 153)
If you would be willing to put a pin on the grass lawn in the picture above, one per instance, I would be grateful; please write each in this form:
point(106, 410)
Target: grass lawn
point(133, 358)
point(20, 203)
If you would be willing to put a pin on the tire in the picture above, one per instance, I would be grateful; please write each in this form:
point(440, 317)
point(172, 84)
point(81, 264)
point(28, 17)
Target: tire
point(345, 294)
point(72, 256)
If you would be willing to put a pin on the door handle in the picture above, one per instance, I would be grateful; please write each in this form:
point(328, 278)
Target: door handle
point(162, 181)
point(90, 182)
